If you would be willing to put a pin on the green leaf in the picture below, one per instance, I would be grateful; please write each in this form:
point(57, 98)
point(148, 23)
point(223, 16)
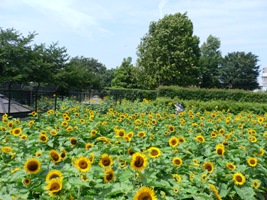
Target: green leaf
point(125, 175)
point(245, 192)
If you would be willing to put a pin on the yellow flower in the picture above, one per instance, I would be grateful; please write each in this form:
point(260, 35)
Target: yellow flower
point(63, 153)
point(171, 128)
point(177, 161)
point(88, 145)
point(32, 166)
point(231, 166)
point(255, 184)
point(252, 162)
point(54, 174)
point(16, 131)
point(106, 161)
point(208, 166)
point(6, 149)
point(73, 141)
point(139, 161)
point(43, 138)
point(177, 177)
point(142, 134)
point(215, 191)
point(252, 138)
point(54, 185)
point(173, 141)
point(200, 139)
point(93, 132)
point(55, 156)
point(154, 152)
point(239, 178)
point(261, 152)
point(14, 170)
point(26, 181)
point(220, 149)
point(83, 164)
point(109, 177)
point(145, 193)
point(120, 132)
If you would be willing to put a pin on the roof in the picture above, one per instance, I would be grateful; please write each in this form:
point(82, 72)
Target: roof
point(15, 107)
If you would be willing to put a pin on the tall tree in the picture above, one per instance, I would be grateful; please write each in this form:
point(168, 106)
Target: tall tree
point(210, 60)
point(239, 70)
point(15, 52)
point(169, 53)
point(82, 72)
point(124, 75)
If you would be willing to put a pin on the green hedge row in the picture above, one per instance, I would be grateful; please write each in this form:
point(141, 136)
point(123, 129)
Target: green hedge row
point(131, 94)
point(211, 94)
point(226, 106)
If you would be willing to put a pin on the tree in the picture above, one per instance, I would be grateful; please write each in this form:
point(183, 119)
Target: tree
point(15, 52)
point(124, 75)
point(21, 60)
point(239, 70)
point(83, 73)
point(169, 53)
point(210, 60)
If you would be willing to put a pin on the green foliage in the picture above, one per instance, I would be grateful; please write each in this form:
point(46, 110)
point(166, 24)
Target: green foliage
point(239, 70)
point(211, 94)
point(168, 54)
point(131, 94)
point(209, 62)
point(125, 76)
point(82, 73)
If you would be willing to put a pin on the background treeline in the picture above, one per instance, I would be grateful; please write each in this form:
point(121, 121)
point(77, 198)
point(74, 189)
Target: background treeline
point(169, 54)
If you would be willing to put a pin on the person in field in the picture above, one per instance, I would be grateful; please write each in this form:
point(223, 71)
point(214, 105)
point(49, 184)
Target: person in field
point(179, 108)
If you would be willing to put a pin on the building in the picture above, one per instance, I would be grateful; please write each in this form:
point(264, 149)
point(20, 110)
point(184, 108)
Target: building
point(264, 79)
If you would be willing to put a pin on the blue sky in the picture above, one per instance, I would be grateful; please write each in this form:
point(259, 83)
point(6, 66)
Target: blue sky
point(111, 30)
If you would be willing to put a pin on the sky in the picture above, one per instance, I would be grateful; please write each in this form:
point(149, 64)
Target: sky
point(110, 31)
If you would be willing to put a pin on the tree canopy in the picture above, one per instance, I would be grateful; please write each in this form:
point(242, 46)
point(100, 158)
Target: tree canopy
point(169, 53)
point(239, 70)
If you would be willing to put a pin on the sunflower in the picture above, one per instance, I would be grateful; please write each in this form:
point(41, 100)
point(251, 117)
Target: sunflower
point(106, 161)
point(215, 191)
point(43, 138)
point(63, 153)
point(53, 132)
point(16, 131)
point(145, 193)
point(142, 134)
point(252, 138)
point(177, 161)
point(255, 184)
point(103, 139)
point(208, 166)
point(38, 153)
point(53, 186)
point(231, 166)
point(130, 151)
point(239, 178)
point(139, 161)
point(83, 164)
point(213, 134)
point(30, 123)
point(200, 139)
point(23, 136)
point(32, 166)
point(27, 181)
point(120, 132)
point(10, 124)
point(204, 178)
point(109, 177)
point(55, 156)
point(73, 141)
point(252, 162)
point(173, 141)
point(220, 149)
point(177, 177)
point(54, 174)
point(64, 123)
point(6, 149)
point(88, 145)
point(261, 152)
point(93, 132)
point(154, 152)
point(171, 128)
point(181, 139)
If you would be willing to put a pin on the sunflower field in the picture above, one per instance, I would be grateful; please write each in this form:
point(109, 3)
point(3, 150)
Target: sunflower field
point(133, 150)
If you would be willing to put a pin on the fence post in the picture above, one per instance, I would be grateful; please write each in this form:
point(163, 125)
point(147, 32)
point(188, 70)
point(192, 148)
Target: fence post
point(9, 97)
point(36, 97)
